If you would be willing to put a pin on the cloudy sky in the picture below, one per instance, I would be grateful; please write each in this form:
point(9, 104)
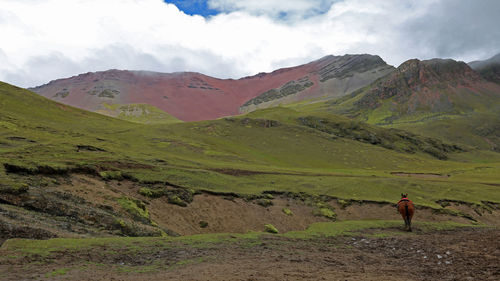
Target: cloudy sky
point(42, 40)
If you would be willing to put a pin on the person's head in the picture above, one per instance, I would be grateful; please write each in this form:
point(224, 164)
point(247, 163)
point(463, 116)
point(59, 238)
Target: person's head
point(404, 195)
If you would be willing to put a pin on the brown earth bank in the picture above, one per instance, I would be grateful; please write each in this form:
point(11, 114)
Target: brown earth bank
point(419, 175)
point(87, 206)
point(460, 254)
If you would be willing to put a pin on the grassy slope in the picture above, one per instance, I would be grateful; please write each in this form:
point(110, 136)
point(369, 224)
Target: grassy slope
point(294, 157)
point(473, 119)
point(138, 113)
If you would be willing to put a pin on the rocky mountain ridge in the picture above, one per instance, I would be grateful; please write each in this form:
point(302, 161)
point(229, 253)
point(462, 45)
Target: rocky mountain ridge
point(422, 84)
point(191, 96)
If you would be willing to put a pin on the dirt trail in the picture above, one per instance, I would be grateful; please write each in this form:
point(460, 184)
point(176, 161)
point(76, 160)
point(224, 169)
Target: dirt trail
point(419, 175)
point(464, 254)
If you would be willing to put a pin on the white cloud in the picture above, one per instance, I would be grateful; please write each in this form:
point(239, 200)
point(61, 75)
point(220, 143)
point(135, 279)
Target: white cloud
point(43, 40)
point(283, 8)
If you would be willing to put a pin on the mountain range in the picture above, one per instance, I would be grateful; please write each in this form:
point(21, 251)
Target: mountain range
point(429, 87)
point(349, 130)
point(192, 96)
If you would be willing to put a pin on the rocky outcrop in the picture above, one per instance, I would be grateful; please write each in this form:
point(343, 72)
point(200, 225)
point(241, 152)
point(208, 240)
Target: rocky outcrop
point(290, 88)
point(432, 77)
point(347, 66)
point(331, 77)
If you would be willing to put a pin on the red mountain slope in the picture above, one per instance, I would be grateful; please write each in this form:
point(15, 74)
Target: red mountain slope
point(194, 96)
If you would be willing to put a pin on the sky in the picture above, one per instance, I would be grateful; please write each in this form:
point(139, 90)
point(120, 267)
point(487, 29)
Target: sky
point(43, 40)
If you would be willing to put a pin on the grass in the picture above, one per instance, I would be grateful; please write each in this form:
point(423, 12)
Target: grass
point(110, 250)
point(287, 212)
point(327, 213)
point(111, 175)
point(138, 113)
point(137, 245)
point(329, 229)
point(57, 272)
point(174, 199)
point(271, 229)
point(301, 148)
point(135, 208)
point(246, 155)
point(480, 130)
point(468, 115)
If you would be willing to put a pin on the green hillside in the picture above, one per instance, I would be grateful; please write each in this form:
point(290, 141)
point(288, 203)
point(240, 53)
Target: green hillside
point(138, 113)
point(442, 99)
point(274, 140)
point(45, 145)
point(478, 127)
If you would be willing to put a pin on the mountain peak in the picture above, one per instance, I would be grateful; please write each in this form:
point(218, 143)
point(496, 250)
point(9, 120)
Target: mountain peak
point(430, 77)
point(435, 71)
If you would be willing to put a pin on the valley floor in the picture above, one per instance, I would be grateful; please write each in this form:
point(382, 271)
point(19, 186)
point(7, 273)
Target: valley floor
point(467, 253)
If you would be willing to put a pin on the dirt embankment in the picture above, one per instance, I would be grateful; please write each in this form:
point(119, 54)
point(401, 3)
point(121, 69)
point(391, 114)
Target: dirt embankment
point(86, 206)
point(420, 175)
point(240, 216)
point(228, 213)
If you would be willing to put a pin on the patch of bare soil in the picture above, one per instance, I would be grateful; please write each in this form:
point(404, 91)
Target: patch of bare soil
point(227, 214)
point(464, 254)
point(238, 172)
point(222, 213)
